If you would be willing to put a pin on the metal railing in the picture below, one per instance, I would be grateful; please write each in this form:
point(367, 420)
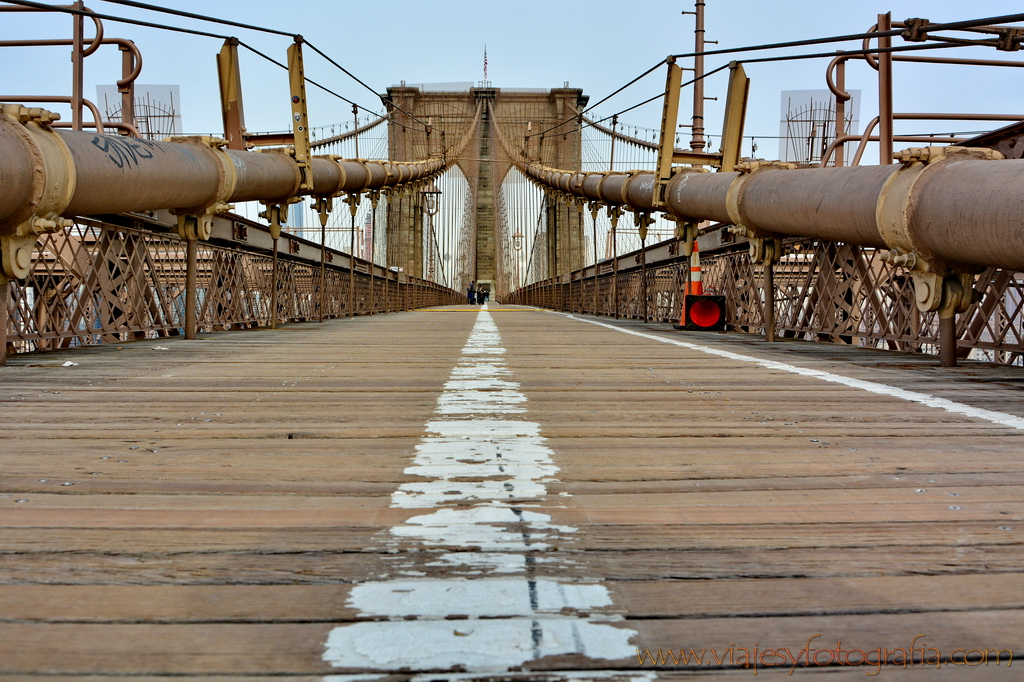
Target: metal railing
point(101, 282)
point(824, 291)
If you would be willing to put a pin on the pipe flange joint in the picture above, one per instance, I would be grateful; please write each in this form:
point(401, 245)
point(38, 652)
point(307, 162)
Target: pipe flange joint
point(894, 217)
point(196, 222)
point(51, 186)
point(734, 196)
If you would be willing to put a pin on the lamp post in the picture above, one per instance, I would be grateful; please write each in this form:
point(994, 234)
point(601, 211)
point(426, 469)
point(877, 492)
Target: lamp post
point(517, 245)
point(431, 205)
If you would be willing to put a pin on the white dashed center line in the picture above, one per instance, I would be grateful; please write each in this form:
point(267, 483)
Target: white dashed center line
point(480, 463)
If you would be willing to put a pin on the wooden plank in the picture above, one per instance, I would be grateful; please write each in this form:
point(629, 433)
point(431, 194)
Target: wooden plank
point(813, 596)
point(295, 648)
point(641, 599)
point(692, 487)
point(963, 534)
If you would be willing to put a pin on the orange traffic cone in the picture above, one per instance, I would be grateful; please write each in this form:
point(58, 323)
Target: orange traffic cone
point(696, 286)
point(700, 312)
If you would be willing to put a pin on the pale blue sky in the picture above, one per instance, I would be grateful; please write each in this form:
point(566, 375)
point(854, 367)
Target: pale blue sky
point(596, 46)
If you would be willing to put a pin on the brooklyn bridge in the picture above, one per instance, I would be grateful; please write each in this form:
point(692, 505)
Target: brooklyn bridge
point(485, 385)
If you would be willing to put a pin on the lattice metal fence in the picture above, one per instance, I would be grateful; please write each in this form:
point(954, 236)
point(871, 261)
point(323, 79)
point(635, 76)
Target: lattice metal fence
point(94, 283)
point(824, 291)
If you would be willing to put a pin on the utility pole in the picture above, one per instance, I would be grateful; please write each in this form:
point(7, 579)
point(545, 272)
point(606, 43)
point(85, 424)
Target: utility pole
point(697, 143)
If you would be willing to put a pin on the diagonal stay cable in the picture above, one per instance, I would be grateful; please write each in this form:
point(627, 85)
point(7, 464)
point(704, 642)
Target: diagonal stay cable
point(1009, 18)
point(785, 58)
point(604, 99)
point(839, 53)
point(795, 43)
point(357, 80)
point(308, 80)
point(641, 76)
point(252, 27)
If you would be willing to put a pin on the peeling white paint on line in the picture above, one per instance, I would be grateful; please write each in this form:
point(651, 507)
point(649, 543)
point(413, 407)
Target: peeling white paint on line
point(481, 464)
point(489, 528)
point(1003, 418)
point(493, 597)
point(494, 562)
point(542, 676)
point(530, 676)
point(493, 645)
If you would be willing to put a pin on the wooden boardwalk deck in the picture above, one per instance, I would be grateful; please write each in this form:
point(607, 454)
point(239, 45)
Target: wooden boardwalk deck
point(516, 494)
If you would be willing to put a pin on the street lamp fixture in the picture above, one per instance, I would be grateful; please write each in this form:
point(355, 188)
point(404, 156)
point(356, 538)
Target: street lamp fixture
point(431, 194)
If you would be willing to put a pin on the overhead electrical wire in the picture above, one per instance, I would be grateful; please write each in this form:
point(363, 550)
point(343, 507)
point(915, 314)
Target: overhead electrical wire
point(295, 36)
point(207, 34)
point(1007, 18)
point(200, 17)
point(851, 53)
point(109, 17)
point(784, 58)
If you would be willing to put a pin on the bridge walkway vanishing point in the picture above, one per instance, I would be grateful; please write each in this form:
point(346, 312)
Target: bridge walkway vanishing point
point(514, 489)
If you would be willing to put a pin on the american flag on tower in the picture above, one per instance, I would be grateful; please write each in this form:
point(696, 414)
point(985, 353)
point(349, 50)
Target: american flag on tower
point(485, 62)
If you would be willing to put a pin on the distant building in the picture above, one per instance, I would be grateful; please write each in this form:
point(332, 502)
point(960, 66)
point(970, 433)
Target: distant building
point(157, 108)
point(807, 125)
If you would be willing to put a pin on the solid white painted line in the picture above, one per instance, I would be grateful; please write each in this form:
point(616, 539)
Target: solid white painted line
point(1002, 418)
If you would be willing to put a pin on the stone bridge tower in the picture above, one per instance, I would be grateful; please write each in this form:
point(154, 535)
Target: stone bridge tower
point(449, 110)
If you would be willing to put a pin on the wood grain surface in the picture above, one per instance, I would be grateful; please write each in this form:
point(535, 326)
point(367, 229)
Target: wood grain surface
point(207, 510)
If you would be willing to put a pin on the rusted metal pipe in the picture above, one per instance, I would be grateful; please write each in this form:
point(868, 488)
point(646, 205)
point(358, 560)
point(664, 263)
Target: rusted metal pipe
point(769, 300)
point(4, 289)
point(191, 276)
point(96, 117)
point(947, 341)
point(970, 212)
point(115, 174)
point(697, 143)
point(116, 125)
point(866, 136)
point(964, 212)
point(838, 89)
point(118, 175)
point(885, 93)
point(77, 67)
point(273, 287)
point(17, 190)
point(123, 43)
point(97, 39)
